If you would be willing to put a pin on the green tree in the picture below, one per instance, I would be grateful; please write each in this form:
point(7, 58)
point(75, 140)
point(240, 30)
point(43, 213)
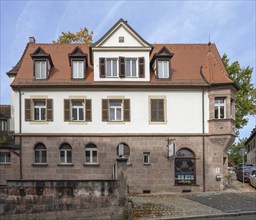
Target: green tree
point(246, 96)
point(81, 37)
point(233, 154)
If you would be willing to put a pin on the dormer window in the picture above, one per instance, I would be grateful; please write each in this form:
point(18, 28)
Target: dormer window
point(78, 69)
point(40, 69)
point(161, 63)
point(42, 63)
point(78, 62)
point(163, 69)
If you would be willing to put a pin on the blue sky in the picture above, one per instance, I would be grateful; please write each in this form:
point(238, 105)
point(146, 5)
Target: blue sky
point(229, 24)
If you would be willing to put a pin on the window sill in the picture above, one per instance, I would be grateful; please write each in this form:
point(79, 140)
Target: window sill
point(77, 123)
point(186, 185)
point(39, 122)
point(157, 122)
point(146, 164)
point(40, 164)
point(91, 164)
point(65, 164)
point(7, 163)
point(116, 122)
point(129, 165)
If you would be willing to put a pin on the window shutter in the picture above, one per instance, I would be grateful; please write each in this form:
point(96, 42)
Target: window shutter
point(121, 67)
point(88, 110)
point(27, 110)
point(104, 109)
point(102, 68)
point(66, 110)
point(127, 110)
point(141, 67)
point(49, 110)
point(157, 110)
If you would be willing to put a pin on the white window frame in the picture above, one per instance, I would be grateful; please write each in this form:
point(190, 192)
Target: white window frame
point(7, 159)
point(115, 109)
point(40, 73)
point(129, 62)
point(91, 150)
point(112, 63)
point(120, 152)
point(65, 150)
point(77, 108)
point(40, 148)
point(78, 69)
point(218, 104)
point(40, 108)
point(163, 69)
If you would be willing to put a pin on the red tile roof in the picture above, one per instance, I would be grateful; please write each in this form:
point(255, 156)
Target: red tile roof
point(191, 64)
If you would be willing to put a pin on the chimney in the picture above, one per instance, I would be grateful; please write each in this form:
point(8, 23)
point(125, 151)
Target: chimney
point(32, 40)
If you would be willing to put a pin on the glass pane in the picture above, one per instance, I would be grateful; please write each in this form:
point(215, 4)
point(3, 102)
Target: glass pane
point(127, 67)
point(114, 67)
point(116, 103)
point(133, 67)
point(44, 156)
point(118, 114)
point(221, 111)
point(69, 156)
point(37, 70)
point(81, 114)
point(2, 157)
point(74, 114)
point(94, 156)
point(43, 113)
point(43, 70)
point(216, 112)
point(112, 114)
point(75, 70)
point(160, 69)
point(62, 156)
point(37, 156)
point(185, 153)
point(8, 157)
point(36, 113)
point(87, 156)
point(108, 67)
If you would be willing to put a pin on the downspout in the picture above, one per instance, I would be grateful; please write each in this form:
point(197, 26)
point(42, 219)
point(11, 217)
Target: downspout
point(20, 130)
point(203, 131)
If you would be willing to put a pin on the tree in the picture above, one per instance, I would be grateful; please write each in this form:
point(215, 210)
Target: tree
point(80, 37)
point(246, 96)
point(233, 154)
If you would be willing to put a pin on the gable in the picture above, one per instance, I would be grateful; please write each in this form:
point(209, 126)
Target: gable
point(121, 35)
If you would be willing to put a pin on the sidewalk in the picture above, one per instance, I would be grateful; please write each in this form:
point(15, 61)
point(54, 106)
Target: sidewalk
point(236, 200)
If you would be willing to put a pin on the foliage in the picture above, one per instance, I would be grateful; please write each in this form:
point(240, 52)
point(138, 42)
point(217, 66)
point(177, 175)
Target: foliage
point(246, 96)
point(233, 154)
point(80, 37)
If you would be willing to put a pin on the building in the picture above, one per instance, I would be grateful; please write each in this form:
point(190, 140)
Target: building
point(250, 146)
point(168, 108)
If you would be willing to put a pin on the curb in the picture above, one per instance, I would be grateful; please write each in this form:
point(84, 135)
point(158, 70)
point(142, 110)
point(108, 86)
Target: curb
point(224, 214)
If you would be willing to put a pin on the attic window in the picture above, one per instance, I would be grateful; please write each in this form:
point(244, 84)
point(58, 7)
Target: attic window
point(161, 63)
point(42, 63)
point(78, 63)
point(121, 39)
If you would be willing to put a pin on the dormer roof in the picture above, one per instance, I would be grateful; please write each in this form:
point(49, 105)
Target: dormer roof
point(77, 53)
point(40, 53)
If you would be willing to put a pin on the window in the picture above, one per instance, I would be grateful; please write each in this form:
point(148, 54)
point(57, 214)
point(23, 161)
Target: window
point(146, 158)
point(185, 167)
point(115, 110)
point(40, 153)
point(40, 69)
point(91, 154)
point(157, 110)
point(39, 110)
point(130, 67)
point(232, 108)
point(65, 154)
point(220, 108)
point(111, 67)
point(77, 110)
point(5, 157)
point(78, 69)
point(3, 125)
point(123, 151)
point(163, 69)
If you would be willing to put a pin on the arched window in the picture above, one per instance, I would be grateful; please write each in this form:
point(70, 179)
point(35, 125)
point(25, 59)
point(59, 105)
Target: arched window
point(91, 154)
point(40, 153)
point(185, 168)
point(123, 151)
point(65, 153)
